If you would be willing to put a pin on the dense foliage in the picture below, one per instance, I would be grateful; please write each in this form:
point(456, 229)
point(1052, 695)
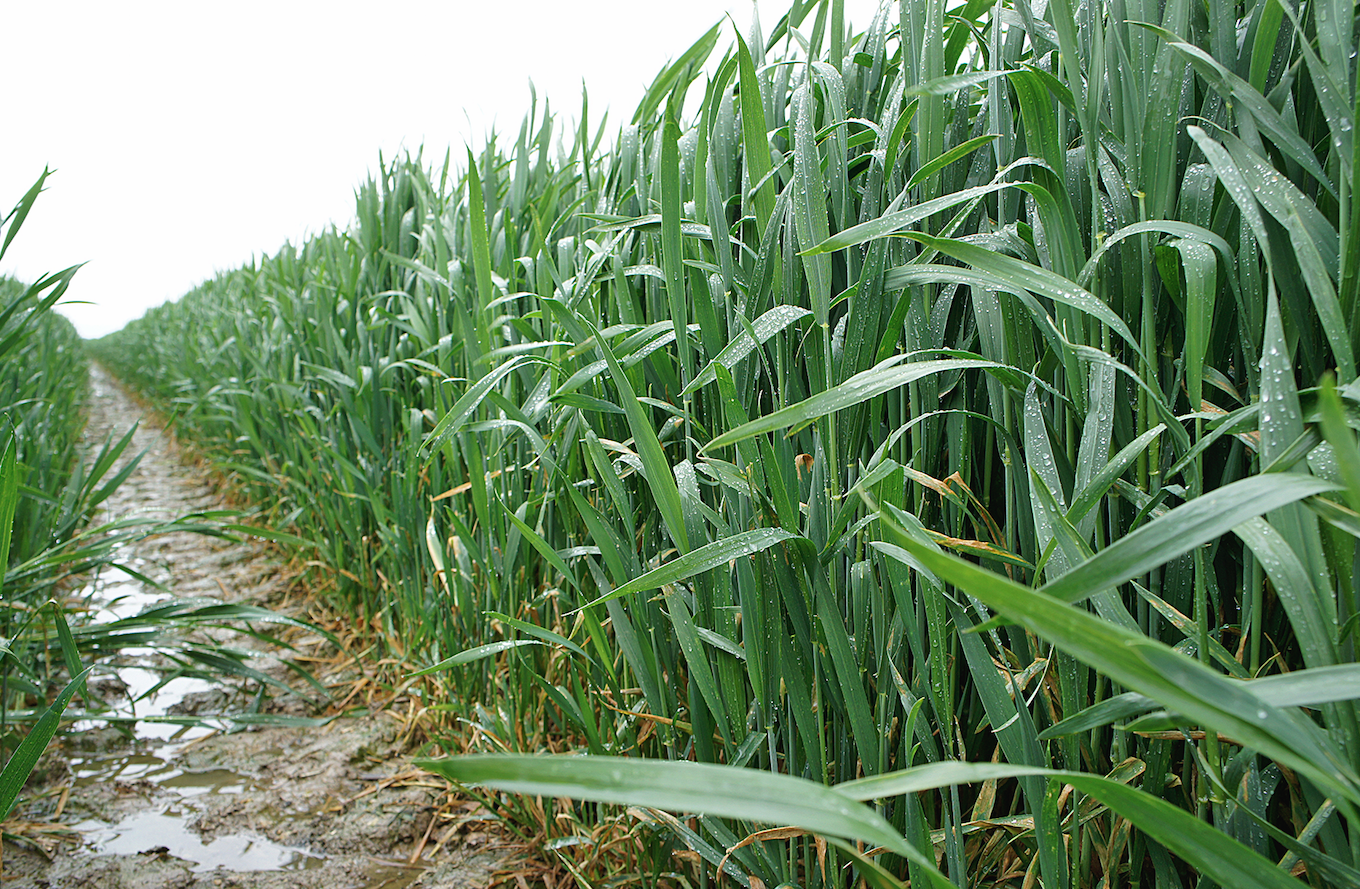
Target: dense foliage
point(44, 386)
point(43, 382)
point(47, 497)
point(662, 450)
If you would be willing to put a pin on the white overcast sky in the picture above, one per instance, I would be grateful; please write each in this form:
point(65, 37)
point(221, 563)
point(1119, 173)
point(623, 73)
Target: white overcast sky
point(188, 136)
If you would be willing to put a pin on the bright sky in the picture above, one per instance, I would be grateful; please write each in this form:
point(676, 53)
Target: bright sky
point(188, 137)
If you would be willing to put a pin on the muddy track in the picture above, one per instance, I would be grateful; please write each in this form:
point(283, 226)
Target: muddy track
point(336, 806)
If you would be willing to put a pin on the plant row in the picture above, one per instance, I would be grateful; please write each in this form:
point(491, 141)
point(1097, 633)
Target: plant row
point(975, 387)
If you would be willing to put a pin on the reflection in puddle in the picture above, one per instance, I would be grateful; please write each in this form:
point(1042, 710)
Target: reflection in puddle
point(146, 696)
point(207, 781)
point(150, 714)
point(158, 769)
point(121, 599)
point(151, 831)
point(392, 876)
point(118, 600)
point(139, 681)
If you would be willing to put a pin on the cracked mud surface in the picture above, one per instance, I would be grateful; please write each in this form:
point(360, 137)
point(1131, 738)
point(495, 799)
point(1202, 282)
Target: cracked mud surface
point(336, 806)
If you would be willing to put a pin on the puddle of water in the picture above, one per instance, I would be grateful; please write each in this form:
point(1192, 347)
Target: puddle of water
point(148, 831)
point(207, 781)
point(391, 876)
point(116, 600)
point(159, 769)
point(120, 599)
point(151, 831)
point(111, 597)
point(132, 767)
point(140, 680)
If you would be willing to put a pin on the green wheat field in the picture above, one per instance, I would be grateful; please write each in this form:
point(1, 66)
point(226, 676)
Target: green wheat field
point(909, 452)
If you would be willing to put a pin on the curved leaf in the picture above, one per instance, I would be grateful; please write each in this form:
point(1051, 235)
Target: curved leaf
point(1206, 848)
point(1182, 529)
point(473, 654)
point(1150, 667)
point(691, 787)
point(702, 559)
point(883, 377)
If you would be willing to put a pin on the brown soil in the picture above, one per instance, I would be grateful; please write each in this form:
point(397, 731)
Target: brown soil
point(339, 806)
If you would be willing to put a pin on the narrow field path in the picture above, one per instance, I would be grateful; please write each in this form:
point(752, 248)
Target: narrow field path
point(335, 806)
point(165, 486)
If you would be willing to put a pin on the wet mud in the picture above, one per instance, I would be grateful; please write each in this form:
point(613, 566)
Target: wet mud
point(206, 806)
